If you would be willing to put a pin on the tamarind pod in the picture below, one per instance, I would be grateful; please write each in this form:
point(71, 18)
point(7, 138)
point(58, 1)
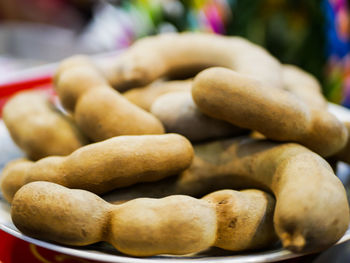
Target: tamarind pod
point(304, 86)
point(238, 228)
point(141, 227)
point(179, 114)
point(72, 83)
point(38, 128)
point(312, 210)
point(17, 169)
point(279, 115)
point(153, 57)
point(173, 225)
point(145, 96)
point(104, 113)
point(176, 224)
point(101, 167)
point(100, 111)
point(74, 218)
point(70, 63)
point(194, 181)
point(201, 178)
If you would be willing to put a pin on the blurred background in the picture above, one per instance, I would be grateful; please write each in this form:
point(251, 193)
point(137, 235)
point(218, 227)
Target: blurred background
point(311, 34)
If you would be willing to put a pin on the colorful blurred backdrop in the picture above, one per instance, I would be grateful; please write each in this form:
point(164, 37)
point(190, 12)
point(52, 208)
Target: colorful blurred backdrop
point(311, 34)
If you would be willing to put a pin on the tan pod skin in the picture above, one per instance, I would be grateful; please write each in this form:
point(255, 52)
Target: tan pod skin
point(145, 96)
point(100, 111)
point(38, 128)
point(278, 114)
point(175, 224)
point(103, 166)
point(312, 211)
point(244, 219)
point(72, 62)
point(105, 113)
point(72, 82)
point(305, 86)
point(179, 114)
point(153, 57)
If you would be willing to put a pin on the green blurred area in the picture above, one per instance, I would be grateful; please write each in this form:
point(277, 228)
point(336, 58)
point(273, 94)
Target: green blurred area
point(292, 30)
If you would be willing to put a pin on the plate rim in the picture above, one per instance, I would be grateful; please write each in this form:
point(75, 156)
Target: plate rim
point(265, 256)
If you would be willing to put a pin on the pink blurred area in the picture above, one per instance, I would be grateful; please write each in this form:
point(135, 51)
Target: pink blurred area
point(37, 32)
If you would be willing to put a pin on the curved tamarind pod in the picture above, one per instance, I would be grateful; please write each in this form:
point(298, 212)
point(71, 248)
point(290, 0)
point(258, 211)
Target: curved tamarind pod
point(71, 62)
point(238, 227)
point(17, 170)
point(101, 167)
point(201, 178)
point(100, 111)
point(72, 83)
point(312, 210)
point(179, 114)
point(78, 224)
point(153, 57)
point(38, 128)
point(279, 115)
point(145, 96)
point(304, 86)
point(172, 225)
point(144, 227)
point(104, 113)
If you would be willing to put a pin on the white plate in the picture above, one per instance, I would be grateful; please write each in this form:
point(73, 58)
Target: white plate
point(106, 253)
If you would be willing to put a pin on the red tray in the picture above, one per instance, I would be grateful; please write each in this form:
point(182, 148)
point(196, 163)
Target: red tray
point(9, 89)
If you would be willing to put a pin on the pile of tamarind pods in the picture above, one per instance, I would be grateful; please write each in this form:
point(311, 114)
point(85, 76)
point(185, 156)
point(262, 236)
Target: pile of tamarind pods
point(184, 142)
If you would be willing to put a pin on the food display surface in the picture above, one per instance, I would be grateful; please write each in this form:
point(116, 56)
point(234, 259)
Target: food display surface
point(106, 253)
